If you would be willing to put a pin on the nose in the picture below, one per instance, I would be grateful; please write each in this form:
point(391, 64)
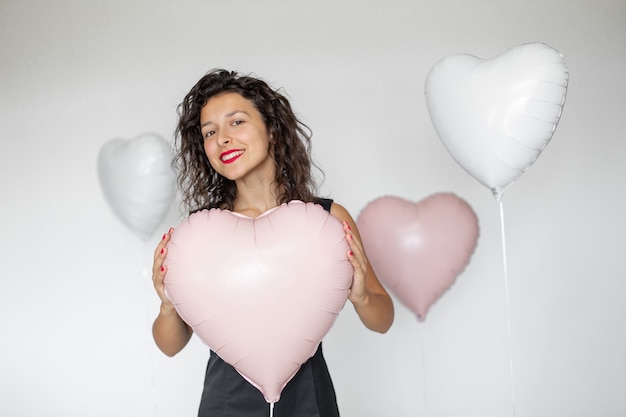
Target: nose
point(223, 139)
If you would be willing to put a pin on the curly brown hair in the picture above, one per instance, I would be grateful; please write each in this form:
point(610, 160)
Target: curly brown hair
point(200, 185)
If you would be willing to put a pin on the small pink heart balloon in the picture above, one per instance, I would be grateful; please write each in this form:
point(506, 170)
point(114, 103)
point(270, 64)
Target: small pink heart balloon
point(260, 292)
point(418, 249)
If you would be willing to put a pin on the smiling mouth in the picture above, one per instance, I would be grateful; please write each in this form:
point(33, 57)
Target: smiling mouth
point(230, 156)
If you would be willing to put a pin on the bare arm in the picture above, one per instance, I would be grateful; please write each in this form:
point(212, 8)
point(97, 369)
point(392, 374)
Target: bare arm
point(170, 332)
point(371, 301)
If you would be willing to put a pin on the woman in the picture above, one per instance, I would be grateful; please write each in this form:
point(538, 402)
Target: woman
point(241, 148)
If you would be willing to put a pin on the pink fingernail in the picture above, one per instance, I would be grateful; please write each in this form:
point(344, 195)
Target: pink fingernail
point(164, 236)
point(162, 250)
point(162, 268)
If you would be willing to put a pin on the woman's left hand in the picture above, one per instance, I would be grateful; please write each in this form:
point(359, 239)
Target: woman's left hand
point(356, 255)
point(369, 298)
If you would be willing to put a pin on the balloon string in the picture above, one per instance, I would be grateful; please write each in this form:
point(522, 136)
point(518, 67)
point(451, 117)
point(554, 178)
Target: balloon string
point(424, 386)
point(271, 409)
point(508, 305)
point(153, 379)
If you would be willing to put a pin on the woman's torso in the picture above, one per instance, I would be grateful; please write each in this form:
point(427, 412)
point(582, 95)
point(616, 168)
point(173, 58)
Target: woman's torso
point(310, 393)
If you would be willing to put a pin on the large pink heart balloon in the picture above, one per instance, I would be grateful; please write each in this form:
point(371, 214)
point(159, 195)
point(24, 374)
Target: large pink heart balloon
point(262, 292)
point(418, 249)
point(138, 181)
point(495, 116)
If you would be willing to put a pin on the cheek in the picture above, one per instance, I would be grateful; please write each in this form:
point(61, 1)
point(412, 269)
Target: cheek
point(210, 150)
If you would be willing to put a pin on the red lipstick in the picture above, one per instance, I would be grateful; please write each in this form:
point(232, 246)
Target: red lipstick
point(230, 156)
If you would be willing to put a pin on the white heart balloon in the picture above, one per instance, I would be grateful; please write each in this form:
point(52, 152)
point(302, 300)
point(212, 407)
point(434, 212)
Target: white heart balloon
point(137, 181)
point(495, 116)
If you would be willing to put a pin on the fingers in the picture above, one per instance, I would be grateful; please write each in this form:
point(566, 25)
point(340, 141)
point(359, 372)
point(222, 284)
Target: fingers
point(158, 268)
point(356, 253)
point(164, 240)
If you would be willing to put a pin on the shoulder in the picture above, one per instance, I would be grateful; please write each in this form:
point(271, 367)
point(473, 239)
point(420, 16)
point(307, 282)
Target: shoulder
point(340, 212)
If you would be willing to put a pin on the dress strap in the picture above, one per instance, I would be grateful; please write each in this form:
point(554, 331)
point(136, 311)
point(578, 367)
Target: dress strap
point(324, 202)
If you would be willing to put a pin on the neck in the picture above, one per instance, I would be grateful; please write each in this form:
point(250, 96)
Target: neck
point(253, 202)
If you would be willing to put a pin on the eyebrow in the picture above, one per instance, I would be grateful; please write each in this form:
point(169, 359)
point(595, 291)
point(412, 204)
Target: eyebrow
point(227, 115)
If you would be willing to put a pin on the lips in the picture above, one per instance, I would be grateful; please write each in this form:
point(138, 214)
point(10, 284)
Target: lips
point(230, 156)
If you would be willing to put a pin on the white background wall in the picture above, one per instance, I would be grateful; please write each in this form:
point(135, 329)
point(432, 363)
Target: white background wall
point(77, 302)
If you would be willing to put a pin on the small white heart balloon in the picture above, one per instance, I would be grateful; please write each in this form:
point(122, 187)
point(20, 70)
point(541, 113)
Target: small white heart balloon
point(495, 116)
point(137, 181)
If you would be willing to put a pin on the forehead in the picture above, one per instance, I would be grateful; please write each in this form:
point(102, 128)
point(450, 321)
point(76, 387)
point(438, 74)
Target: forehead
point(225, 103)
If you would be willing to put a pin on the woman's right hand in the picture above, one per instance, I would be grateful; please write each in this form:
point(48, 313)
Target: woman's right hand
point(159, 269)
point(170, 332)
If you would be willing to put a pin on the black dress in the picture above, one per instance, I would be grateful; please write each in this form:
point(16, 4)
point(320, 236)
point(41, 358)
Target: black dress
point(310, 393)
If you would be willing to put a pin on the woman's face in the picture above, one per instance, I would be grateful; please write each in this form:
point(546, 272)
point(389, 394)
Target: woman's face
point(236, 141)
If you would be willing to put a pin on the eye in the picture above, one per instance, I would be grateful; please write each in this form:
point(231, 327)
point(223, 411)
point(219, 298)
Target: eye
point(237, 122)
point(209, 133)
